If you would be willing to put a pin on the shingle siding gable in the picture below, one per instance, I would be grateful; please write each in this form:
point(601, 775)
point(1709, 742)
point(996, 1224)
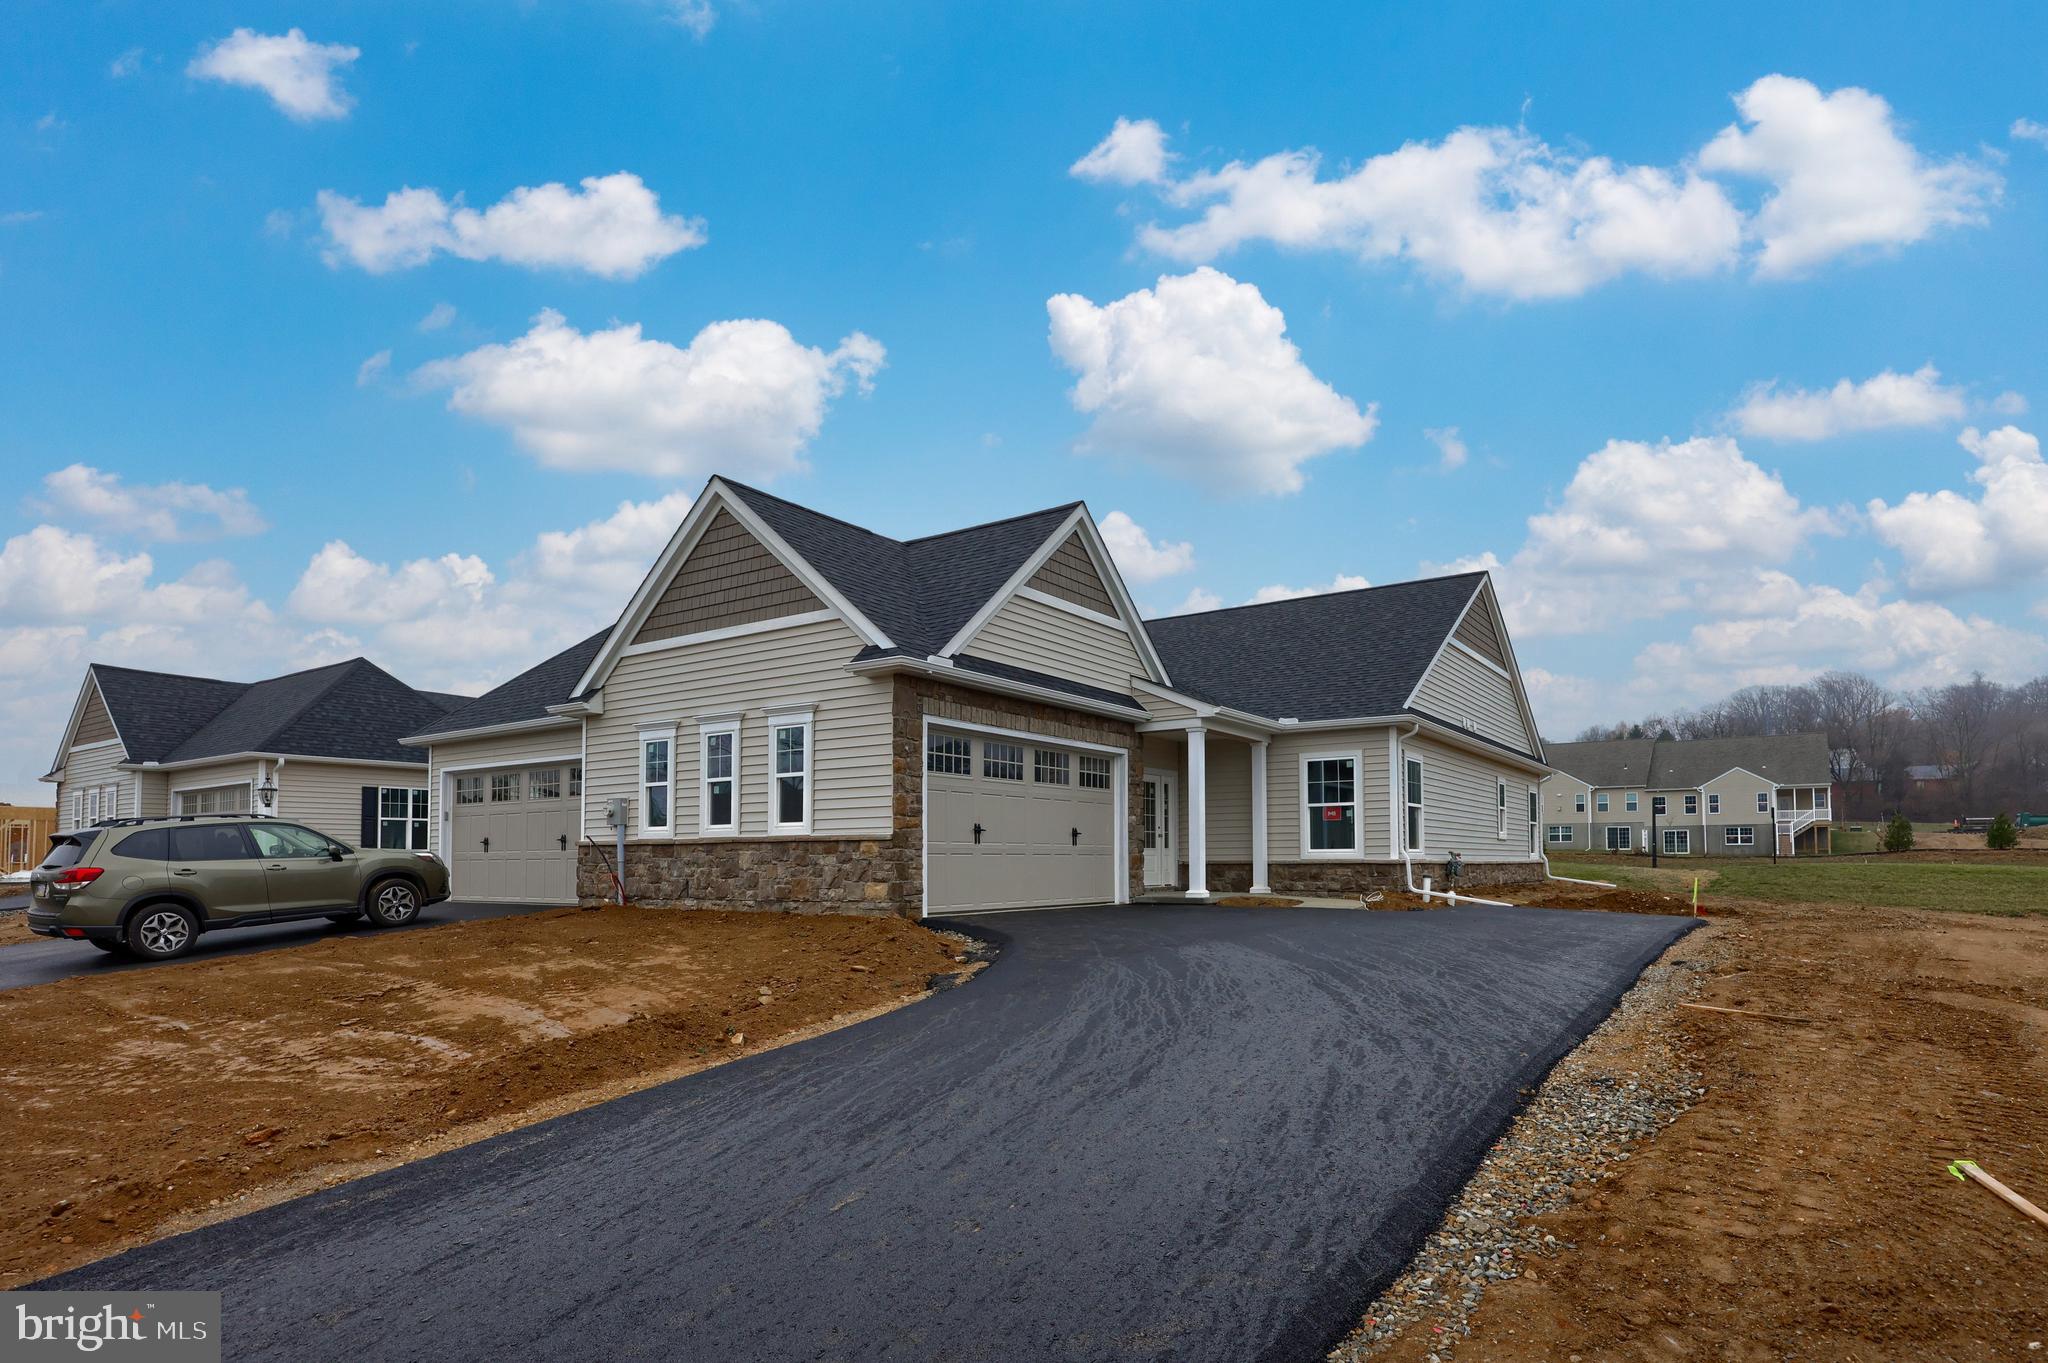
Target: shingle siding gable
point(1070, 575)
point(730, 578)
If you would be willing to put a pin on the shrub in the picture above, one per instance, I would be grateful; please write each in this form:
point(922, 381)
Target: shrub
point(2003, 834)
point(1898, 834)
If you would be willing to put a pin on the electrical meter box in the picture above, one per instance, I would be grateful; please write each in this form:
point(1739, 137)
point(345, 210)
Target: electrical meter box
point(614, 813)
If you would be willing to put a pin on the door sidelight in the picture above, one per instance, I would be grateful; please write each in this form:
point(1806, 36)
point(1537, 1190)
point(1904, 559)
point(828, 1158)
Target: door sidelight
point(978, 831)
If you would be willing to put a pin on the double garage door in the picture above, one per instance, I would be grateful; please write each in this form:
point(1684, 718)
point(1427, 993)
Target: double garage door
point(1014, 824)
point(512, 833)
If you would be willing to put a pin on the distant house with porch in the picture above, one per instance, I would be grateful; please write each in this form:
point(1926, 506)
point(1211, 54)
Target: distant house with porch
point(1690, 797)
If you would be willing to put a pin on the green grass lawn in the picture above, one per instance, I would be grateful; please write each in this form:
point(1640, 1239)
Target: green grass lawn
point(2007, 891)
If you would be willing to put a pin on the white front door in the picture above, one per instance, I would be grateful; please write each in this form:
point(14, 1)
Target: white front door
point(1155, 825)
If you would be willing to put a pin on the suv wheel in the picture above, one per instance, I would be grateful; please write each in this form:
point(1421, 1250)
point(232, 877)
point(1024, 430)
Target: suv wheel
point(393, 902)
point(160, 931)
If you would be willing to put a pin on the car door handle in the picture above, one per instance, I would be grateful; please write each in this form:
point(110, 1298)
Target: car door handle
point(277, 866)
point(184, 871)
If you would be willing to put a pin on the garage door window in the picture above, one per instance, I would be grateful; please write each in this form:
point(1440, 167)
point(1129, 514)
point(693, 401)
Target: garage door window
point(402, 817)
point(655, 751)
point(504, 787)
point(717, 794)
point(575, 779)
point(792, 777)
point(1050, 768)
point(1330, 796)
point(469, 790)
point(948, 756)
point(1002, 761)
point(1094, 773)
point(544, 783)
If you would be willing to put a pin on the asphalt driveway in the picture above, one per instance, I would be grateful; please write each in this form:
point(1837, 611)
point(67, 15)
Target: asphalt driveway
point(44, 960)
point(1151, 1133)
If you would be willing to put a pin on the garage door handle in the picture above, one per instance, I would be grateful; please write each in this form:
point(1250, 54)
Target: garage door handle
point(1077, 836)
point(978, 830)
point(487, 844)
point(564, 840)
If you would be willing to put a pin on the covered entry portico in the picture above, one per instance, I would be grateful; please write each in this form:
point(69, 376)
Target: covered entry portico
point(1185, 764)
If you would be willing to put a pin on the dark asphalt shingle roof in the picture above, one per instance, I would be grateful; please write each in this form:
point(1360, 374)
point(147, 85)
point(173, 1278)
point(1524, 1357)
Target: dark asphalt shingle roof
point(918, 592)
point(1679, 764)
point(352, 709)
point(1335, 656)
point(967, 662)
point(526, 696)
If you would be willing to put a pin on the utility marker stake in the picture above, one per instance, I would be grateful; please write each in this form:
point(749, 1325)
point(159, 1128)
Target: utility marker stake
point(1966, 1169)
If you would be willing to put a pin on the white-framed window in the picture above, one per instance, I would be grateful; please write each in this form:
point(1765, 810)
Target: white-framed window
point(1558, 833)
point(949, 755)
point(1500, 793)
point(1329, 804)
point(718, 788)
point(1532, 818)
point(1002, 761)
point(1657, 805)
point(1692, 804)
point(1600, 802)
point(469, 790)
point(1411, 794)
point(232, 799)
point(1628, 802)
point(1713, 804)
point(544, 783)
point(575, 780)
point(1579, 803)
point(657, 781)
point(110, 802)
point(1050, 768)
point(1763, 802)
point(402, 817)
point(1094, 772)
point(1619, 837)
point(1677, 842)
point(92, 805)
point(78, 809)
point(504, 787)
point(1739, 835)
point(789, 798)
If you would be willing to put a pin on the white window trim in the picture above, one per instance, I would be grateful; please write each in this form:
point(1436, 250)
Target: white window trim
point(1529, 793)
point(1631, 804)
point(1628, 837)
point(1694, 801)
point(1421, 807)
point(1714, 802)
point(706, 731)
point(1356, 757)
point(1579, 802)
point(1730, 838)
point(425, 819)
point(1660, 805)
point(1551, 831)
point(1500, 797)
point(1602, 804)
point(792, 720)
point(642, 785)
point(1682, 835)
point(1763, 802)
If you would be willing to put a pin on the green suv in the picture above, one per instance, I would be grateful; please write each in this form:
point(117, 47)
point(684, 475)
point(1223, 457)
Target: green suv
point(151, 886)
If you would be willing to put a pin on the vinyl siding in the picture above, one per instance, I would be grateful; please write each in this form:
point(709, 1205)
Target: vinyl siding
point(1230, 799)
point(1284, 789)
point(1027, 633)
point(521, 748)
point(1070, 574)
point(240, 771)
point(1460, 805)
point(1466, 692)
point(851, 759)
point(329, 796)
point(90, 767)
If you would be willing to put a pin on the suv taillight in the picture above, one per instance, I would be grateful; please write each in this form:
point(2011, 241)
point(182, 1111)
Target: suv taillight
point(76, 876)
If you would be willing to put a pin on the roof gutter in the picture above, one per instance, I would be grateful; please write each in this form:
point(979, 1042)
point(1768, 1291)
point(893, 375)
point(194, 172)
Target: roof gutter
point(265, 757)
point(1002, 686)
point(513, 727)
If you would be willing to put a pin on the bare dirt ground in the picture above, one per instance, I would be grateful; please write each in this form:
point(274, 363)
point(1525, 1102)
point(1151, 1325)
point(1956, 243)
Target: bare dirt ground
point(14, 928)
point(1946, 841)
point(142, 1103)
point(1793, 1201)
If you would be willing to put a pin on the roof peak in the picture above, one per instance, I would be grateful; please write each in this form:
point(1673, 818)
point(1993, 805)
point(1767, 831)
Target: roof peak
point(738, 486)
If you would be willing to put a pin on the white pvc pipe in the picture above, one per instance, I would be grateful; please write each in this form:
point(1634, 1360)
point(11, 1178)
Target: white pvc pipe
point(1549, 874)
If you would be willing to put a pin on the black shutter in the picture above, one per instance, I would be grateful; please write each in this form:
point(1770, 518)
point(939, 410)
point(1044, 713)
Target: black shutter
point(369, 816)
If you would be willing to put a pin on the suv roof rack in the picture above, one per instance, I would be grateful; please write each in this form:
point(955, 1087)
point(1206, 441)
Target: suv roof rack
point(164, 818)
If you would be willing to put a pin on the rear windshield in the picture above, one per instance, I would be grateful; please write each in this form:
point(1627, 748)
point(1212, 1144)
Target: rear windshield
point(64, 852)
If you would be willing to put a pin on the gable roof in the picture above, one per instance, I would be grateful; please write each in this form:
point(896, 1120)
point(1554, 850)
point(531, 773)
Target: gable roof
point(1681, 764)
point(1339, 655)
point(354, 710)
point(524, 698)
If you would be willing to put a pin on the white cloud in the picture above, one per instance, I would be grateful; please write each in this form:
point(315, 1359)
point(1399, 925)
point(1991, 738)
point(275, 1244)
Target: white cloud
point(1132, 154)
point(372, 369)
point(2009, 403)
point(1842, 178)
point(1137, 557)
point(1450, 448)
point(341, 587)
point(1342, 582)
point(1197, 599)
point(1196, 376)
point(695, 16)
point(161, 511)
point(612, 227)
point(125, 65)
point(438, 317)
point(1884, 401)
point(1950, 542)
point(2027, 130)
point(743, 397)
point(606, 559)
point(1502, 212)
point(51, 122)
point(50, 573)
point(300, 76)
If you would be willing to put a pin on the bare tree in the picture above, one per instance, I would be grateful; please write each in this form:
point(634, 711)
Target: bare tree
point(1962, 715)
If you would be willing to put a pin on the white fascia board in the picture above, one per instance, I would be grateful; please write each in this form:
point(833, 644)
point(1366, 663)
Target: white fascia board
point(1513, 670)
point(271, 757)
point(483, 730)
point(91, 687)
point(1001, 686)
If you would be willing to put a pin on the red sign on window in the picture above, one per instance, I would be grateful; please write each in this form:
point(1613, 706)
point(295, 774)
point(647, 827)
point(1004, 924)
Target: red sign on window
point(1332, 814)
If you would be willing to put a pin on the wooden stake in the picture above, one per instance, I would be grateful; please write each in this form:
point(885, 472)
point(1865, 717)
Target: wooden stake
point(1964, 1168)
point(1744, 1012)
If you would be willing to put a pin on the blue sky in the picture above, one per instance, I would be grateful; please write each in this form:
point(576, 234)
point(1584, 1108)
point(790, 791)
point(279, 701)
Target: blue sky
point(1735, 315)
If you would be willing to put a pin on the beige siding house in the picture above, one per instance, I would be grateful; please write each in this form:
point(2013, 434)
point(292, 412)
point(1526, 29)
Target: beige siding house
point(1710, 796)
point(794, 711)
point(318, 748)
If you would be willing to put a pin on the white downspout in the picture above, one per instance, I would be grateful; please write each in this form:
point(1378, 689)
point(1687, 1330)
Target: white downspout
point(1407, 854)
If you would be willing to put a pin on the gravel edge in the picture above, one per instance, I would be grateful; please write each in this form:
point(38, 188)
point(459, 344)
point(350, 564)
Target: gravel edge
point(1627, 1081)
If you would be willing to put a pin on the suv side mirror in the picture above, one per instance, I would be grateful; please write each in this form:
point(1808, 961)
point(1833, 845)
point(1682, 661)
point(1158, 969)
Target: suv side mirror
point(333, 853)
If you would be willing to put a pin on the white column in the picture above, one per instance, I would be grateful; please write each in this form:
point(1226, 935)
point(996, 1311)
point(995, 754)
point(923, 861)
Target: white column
point(1198, 813)
point(1259, 885)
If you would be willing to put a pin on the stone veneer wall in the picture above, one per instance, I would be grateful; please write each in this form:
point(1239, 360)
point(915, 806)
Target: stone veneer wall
point(849, 875)
point(1341, 878)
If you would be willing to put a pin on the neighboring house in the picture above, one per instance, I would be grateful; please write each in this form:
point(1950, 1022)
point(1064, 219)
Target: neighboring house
point(323, 742)
point(1711, 796)
point(24, 834)
point(794, 711)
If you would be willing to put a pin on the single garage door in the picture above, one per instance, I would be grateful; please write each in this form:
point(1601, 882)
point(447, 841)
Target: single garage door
point(513, 834)
point(1015, 824)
